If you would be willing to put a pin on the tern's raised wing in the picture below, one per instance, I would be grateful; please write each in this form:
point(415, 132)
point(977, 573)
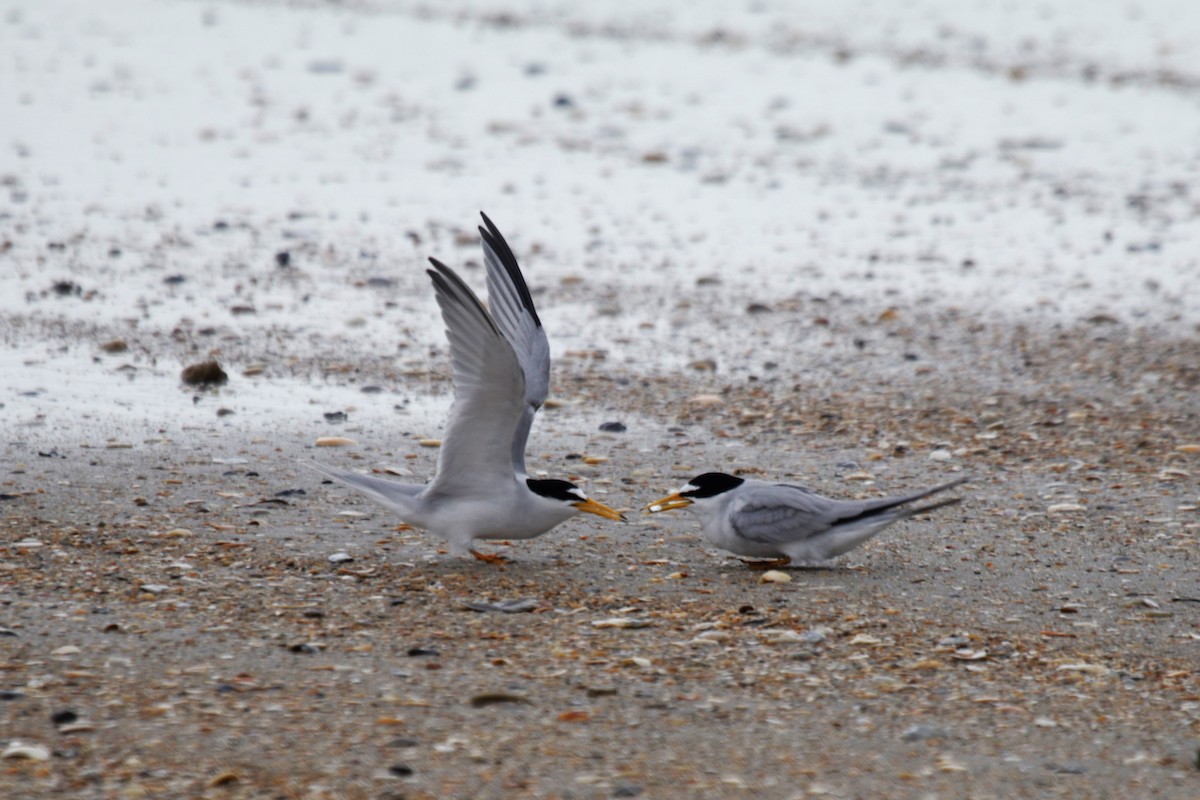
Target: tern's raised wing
point(779, 513)
point(513, 311)
point(489, 391)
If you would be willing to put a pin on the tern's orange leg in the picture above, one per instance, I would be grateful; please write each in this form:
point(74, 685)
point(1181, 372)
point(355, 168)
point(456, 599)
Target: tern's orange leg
point(771, 563)
point(490, 558)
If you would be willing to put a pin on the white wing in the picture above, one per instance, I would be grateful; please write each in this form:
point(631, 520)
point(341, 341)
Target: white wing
point(489, 392)
point(513, 311)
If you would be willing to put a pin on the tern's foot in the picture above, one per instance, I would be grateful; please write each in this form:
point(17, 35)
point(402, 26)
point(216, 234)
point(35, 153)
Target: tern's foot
point(771, 563)
point(490, 558)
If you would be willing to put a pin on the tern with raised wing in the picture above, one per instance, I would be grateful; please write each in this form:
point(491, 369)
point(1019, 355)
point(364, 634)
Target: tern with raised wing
point(501, 366)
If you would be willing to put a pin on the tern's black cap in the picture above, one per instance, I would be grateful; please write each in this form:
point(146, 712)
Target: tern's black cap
point(556, 489)
point(711, 484)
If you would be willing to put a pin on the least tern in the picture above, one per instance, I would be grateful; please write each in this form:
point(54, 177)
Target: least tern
point(501, 364)
point(785, 522)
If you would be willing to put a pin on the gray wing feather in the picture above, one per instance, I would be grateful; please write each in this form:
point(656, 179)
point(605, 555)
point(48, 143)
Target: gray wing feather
point(782, 513)
point(512, 308)
point(489, 390)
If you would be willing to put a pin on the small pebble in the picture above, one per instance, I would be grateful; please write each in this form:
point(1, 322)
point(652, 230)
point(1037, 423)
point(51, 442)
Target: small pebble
point(774, 576)
point(706, 400)
point(922, 733)
point(416, 652)
point(613, 427)
point(207, 373)
point(334, 441)
point(503, 606)
point(339, 557)
point(496, 698)
point(621, 622)
point(29, 752)
point(64, 717)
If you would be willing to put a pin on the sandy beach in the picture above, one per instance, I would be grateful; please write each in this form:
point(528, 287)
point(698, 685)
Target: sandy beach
point(864, 254)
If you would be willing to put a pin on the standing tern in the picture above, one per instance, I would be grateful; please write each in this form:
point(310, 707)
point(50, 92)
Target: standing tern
point(785, 522)
point(501, 364)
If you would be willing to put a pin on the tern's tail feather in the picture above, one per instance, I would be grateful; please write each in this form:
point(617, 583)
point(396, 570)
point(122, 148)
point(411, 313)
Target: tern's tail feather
point(395, 495)
point(932, 506)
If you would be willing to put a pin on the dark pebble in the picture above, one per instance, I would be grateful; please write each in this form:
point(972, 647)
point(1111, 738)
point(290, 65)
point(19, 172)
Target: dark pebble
point(174, 280)
point(283, 258)
point(1065, 769)
point(64, 717)
point(207, 373)
point(421, 651)
point(403, 742)
point(314, 613)
point(371, 389)
point(290, 492)
point(305, 648)
point(381, 283)
point(5, 496)
point(335, 416)
point(564, 101)
point(627, 790)
point(496, 698)
point(10, 694)
point(613, 427)
point(758, 308)
point(66, 288)
point(224, 412)
point(400, 770)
